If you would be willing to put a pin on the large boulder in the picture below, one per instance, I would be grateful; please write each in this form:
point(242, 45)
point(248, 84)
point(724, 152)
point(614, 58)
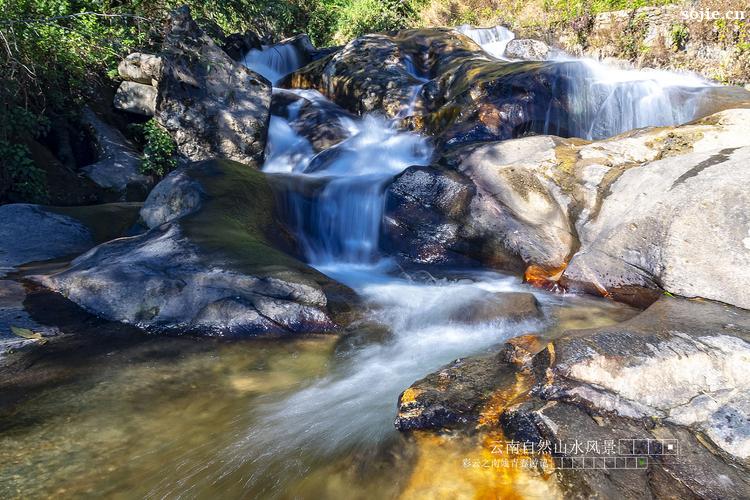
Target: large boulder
point(629, 216)
point(213, 268)
point(212, 105)
point(681, 224)
point(31, 233)
point(118, 164)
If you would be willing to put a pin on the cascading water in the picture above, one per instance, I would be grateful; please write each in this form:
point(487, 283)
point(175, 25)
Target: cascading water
point(603, 101)
point(274, 62)
point(341, 221)
point(492, 40)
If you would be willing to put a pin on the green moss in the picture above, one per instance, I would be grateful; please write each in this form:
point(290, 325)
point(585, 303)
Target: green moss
point(238, 225)
point(107, 221)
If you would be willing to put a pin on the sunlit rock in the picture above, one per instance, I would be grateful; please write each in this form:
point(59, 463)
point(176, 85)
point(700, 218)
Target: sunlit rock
point(212, 268)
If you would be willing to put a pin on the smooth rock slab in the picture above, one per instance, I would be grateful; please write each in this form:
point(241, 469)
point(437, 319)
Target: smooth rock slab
point(30, 233)
point(682, 361)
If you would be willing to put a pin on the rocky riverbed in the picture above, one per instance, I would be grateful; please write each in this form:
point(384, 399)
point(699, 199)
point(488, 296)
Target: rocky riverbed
point(479, 239)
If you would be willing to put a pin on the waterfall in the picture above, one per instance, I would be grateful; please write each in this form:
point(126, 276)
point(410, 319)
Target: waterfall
point(275, 61)
point(603, 101)
point(492, 40)
point(338, 197)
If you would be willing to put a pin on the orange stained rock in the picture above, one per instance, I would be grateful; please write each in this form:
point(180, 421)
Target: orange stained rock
point(543, 277)
point(470, 467)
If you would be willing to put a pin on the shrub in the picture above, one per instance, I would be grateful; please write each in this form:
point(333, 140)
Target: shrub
point(20, 179)
point(158, 151)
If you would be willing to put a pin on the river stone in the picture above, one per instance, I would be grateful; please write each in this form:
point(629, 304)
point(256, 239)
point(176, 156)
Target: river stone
point(138, 98)
point(217, 270)
point(118, 163)
point(140, 68)
point(175, 196)
point(30, 233)
point(322, 123)
point(452, 397)
point(500, 306)
point(699, 351)
point(424, 210)
point(212, 106)
point(681, 224)
point(527, 49)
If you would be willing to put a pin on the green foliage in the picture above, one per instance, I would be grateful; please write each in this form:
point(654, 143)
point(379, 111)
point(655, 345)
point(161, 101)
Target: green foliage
point(679, 34)
point(338, 21)
point(158, 151)
point(20, 179)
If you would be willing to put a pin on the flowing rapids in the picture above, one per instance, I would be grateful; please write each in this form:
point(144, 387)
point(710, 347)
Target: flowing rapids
point(604, 101)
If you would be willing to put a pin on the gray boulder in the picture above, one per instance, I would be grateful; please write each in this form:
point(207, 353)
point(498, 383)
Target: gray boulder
point(138, 98)
point(681, 224)
point(30, 233)
point(527, 49)
point(175, 196)
point(212, 106)
point(681, 361)
point(141, 68)
point(212, 267)
point(118, 163)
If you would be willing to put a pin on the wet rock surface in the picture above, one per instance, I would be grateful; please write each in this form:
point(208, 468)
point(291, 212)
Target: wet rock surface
point(668, 384)
point(213, 271)
point(500, 306)
point(452, 397)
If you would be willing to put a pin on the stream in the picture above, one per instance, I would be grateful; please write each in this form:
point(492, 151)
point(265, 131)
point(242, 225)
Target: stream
point(308, 417)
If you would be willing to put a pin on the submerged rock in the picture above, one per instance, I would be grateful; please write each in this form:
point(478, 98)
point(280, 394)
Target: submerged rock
point(209, 268)
point(452, 397)
point(500, 306)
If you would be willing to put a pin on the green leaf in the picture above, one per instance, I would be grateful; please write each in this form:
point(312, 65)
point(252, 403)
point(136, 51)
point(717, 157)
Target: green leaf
point(27, 334)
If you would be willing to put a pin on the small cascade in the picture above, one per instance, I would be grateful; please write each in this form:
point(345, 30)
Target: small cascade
point(492, 40)
point(337, 200)
point(275, 61)
point(602, 101)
